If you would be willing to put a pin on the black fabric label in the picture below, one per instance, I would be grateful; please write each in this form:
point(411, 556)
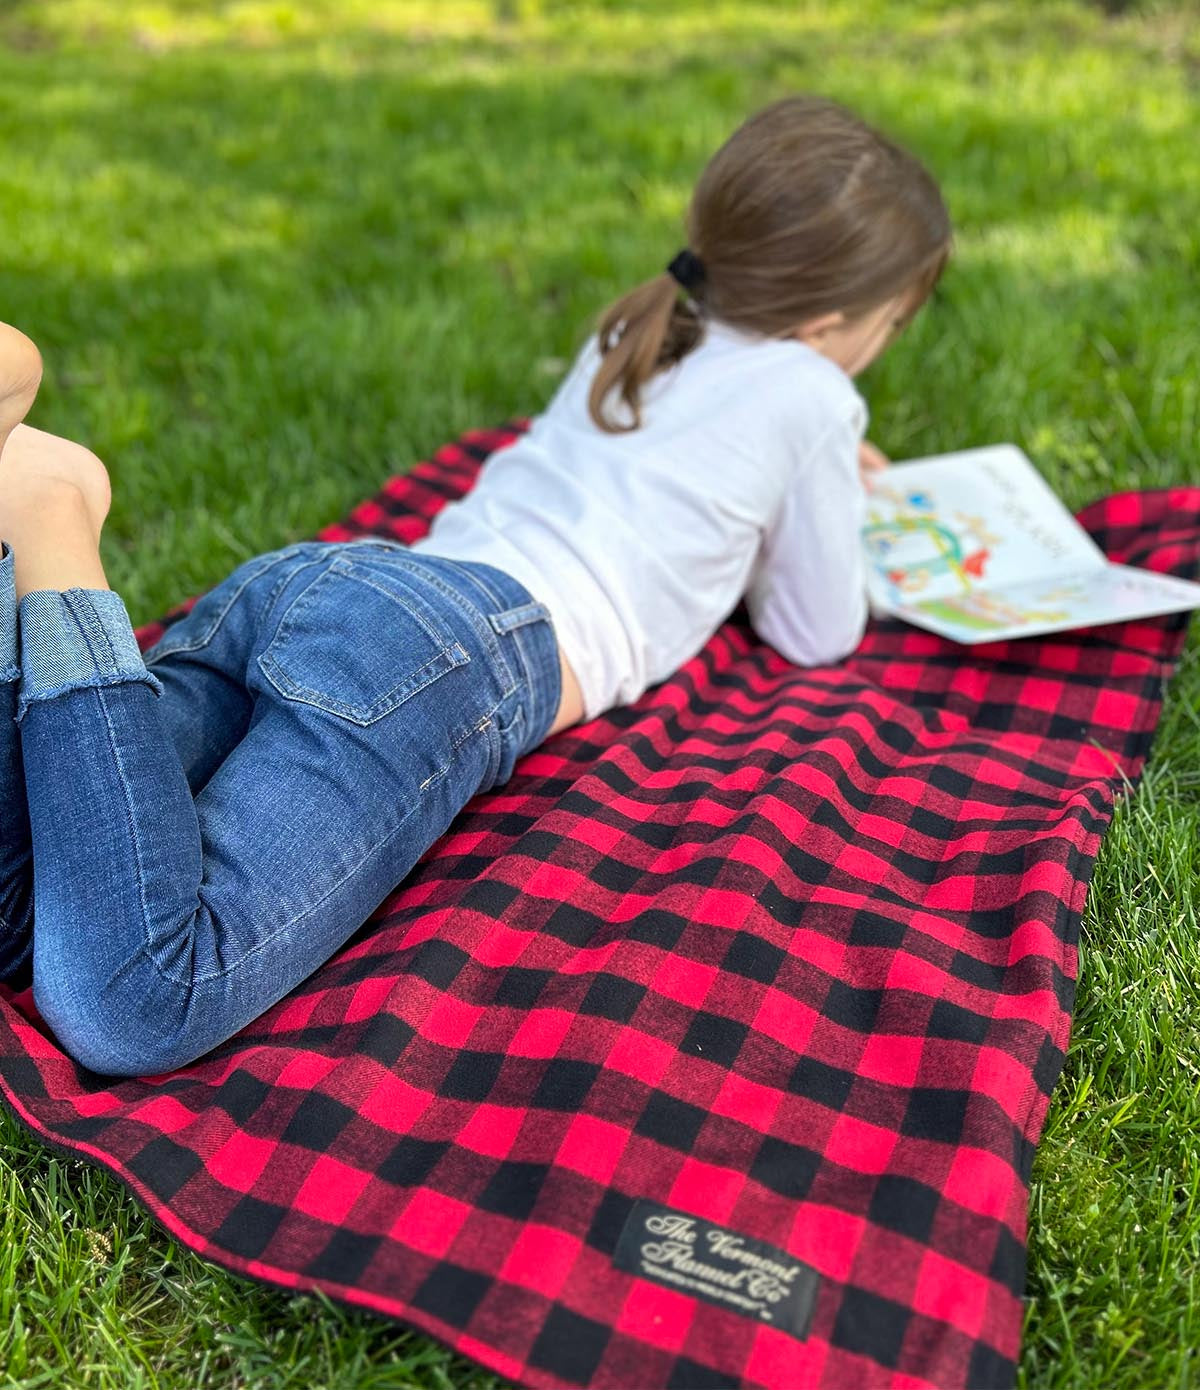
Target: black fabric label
point(736, 1272)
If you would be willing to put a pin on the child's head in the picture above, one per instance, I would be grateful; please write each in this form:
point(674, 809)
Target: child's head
point(806, 223)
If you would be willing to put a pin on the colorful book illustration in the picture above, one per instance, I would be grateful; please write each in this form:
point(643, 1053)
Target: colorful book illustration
point(976, 547)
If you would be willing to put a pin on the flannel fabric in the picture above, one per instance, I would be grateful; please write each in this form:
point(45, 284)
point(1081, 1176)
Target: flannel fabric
point(713, 1049)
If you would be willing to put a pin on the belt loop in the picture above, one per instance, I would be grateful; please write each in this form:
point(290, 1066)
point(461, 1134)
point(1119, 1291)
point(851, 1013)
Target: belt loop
point(513, 618)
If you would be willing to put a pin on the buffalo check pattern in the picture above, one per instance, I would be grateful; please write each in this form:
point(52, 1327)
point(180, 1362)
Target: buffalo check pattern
point(791, 952)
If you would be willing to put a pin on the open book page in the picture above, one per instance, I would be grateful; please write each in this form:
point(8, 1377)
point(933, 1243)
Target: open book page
point(976, 547)
point(949, 526)
point(1111, 594)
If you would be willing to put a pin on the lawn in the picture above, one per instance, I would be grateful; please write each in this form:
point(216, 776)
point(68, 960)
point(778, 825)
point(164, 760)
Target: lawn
point(277, 251)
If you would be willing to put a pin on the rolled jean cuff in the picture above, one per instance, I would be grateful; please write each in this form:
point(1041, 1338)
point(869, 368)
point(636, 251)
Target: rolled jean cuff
point(76, 639)
point(9, 667)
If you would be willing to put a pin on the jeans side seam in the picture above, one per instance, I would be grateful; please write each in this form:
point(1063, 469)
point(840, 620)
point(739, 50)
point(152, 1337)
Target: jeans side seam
point(146, 948)
point(129, 822)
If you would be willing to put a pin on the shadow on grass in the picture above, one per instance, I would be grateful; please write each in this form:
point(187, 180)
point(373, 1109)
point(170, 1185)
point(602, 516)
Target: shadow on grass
point(276, 237)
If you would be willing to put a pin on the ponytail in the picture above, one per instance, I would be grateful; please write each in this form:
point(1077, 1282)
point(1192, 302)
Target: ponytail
point(805, 210)
point(646, 330)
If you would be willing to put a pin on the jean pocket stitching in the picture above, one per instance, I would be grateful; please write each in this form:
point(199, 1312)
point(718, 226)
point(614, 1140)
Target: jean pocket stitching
point(448, 654)
point(438, 665)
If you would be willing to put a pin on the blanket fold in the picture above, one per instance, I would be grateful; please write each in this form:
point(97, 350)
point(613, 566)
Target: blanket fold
point(714, 1048)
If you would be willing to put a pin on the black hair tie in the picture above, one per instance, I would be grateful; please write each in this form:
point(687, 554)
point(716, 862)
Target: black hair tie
point(687, 270)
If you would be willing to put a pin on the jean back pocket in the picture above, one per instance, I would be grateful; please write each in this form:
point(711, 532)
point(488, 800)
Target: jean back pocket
point(359, 640)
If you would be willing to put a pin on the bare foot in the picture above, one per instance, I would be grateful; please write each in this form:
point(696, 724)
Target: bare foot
point(33, 460)
point(20, 377)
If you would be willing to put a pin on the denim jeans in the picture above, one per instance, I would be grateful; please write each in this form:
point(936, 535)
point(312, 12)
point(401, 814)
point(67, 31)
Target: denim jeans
point(186, 837)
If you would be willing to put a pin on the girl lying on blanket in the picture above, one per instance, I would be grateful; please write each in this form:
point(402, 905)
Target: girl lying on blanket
point(186, 837)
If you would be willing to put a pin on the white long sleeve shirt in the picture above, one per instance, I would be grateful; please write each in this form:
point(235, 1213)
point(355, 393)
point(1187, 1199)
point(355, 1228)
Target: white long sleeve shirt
point(742, 480)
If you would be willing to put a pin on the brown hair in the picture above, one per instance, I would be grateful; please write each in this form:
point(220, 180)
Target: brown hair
point(804, 210)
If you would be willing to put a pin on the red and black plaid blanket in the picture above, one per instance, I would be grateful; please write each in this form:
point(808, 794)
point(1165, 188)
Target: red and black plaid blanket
point(713, 1049)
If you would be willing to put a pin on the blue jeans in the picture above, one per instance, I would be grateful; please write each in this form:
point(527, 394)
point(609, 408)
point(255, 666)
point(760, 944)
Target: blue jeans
point(186, 837)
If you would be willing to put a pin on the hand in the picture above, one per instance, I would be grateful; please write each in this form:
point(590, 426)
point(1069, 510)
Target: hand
point(870, 462)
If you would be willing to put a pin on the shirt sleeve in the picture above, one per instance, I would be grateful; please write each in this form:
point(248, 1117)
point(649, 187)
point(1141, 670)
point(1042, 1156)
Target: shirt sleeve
point(808, 589)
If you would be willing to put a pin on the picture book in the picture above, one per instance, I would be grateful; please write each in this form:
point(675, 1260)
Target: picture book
point(976, 547)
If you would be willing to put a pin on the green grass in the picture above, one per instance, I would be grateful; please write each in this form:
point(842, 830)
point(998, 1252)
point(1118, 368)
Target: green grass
point(277, 251)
